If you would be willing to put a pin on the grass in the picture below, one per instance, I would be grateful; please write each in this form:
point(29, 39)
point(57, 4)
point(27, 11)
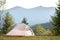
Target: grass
point(4, 37)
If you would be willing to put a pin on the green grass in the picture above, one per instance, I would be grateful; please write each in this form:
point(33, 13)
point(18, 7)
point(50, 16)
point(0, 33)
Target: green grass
point(3, 37)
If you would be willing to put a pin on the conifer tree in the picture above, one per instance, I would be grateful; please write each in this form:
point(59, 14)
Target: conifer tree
point(8, 22)
point(25, 21)
point(56, 20)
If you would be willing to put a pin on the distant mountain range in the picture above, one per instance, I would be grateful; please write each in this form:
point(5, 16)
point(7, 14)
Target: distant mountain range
point(34, 15)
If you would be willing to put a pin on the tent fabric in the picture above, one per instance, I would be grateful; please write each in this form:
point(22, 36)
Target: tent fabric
point(21, 30)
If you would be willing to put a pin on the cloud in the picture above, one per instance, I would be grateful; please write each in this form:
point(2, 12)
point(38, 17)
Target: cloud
point(30, 3)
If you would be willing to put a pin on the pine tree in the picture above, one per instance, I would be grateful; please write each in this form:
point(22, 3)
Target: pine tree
point(24, 21)
point(56, 20)
point(8, 22)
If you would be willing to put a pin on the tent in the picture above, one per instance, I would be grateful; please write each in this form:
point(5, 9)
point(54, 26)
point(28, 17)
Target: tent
point(21, 30)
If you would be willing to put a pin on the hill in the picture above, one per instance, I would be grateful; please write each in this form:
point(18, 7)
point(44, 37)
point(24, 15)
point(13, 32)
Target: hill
point(46, 25)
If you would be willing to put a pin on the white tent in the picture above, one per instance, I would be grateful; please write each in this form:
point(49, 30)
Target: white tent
point(21, 30)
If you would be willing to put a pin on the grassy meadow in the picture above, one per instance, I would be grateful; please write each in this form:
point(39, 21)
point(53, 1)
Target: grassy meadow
point(4, 37)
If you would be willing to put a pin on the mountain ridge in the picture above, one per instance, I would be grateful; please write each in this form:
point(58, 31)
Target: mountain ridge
point(30, 8)
point(34, 15)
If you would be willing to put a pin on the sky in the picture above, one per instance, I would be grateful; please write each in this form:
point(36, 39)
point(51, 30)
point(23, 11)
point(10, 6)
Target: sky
point(30, 3)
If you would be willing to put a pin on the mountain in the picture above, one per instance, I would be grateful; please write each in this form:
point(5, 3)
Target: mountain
point(35, 15)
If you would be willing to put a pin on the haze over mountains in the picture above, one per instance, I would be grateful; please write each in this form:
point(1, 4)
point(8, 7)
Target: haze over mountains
point(34, 15)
